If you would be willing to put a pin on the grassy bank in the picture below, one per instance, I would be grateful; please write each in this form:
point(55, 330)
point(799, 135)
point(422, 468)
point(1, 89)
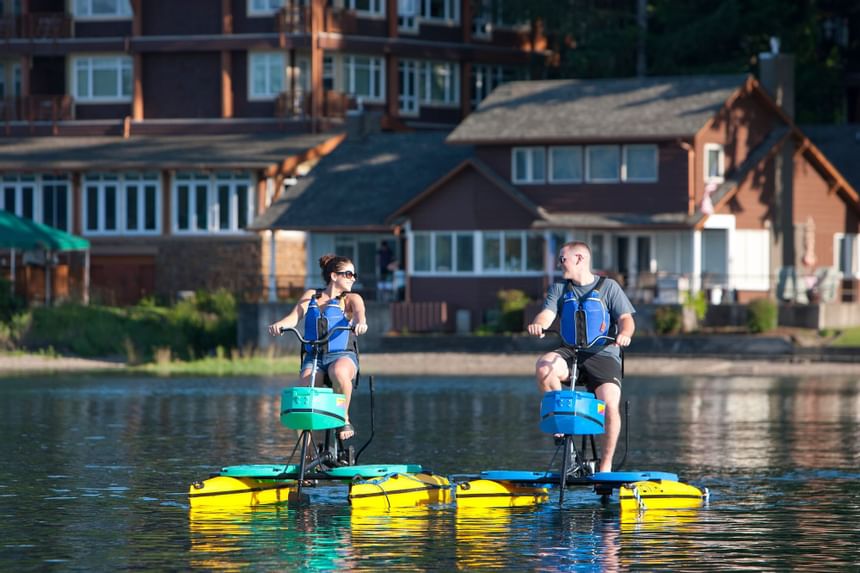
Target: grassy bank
point(220, 366)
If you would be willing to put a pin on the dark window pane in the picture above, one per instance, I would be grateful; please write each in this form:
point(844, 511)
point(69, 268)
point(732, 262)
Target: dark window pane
point(9, 199)
point(92, 208)
point(182, 209)
point(49, 215)
point(149, 207)
point(62, 209)
point(242, 201)
point(201, 191)
point(27, 202)
point(110, 208)
point(131, 208)
point(224, 207)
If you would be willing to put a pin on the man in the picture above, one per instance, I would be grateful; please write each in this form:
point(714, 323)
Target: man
point(599, 365)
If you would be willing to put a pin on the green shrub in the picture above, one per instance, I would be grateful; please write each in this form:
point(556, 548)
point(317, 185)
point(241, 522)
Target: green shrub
point(668, 319)
point(10, 303)
point(512, 303)
point(698, 302)
point(761, 315)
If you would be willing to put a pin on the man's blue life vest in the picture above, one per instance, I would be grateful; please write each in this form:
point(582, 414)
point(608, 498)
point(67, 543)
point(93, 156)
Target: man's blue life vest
point(585, 318)
point(318, 323)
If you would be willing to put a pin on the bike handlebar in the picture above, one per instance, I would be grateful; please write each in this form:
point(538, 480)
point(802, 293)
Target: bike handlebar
point(322, 340)
point(574, 346)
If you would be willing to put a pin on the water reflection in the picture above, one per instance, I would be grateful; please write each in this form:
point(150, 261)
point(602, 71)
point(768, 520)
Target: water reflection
point(93, 471)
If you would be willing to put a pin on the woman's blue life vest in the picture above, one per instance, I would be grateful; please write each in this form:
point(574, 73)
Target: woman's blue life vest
point(318, 323)
point(585, 318)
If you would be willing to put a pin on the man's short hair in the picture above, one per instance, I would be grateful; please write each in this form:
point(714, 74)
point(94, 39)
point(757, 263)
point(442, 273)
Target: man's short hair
point(577, 244)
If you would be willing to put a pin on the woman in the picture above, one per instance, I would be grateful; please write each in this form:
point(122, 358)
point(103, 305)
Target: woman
point(339, 306)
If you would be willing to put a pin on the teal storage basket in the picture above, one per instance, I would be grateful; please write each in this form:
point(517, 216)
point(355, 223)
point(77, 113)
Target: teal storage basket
point(312, 409)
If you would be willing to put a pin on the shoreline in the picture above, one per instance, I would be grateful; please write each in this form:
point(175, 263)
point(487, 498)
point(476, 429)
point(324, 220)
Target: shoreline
point(478, 364)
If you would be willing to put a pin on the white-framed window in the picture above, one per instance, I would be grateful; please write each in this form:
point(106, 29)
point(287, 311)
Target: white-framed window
point(602, 163)
point(846, 254)
point(469, 252)
point(266, 75)
point(364, 77)
point(101, 79)
point(528, 164)
point(428, 83)
point(640, 163)
point(42, 198)
point(212, 203)
point(407, 15)
point(440, 10)
point(264, 7)
point(565, 164)
point(714, 163)
point(121, 203)
point(512, 251)
point(486, 78)
point(102, 9)
point(367, 7)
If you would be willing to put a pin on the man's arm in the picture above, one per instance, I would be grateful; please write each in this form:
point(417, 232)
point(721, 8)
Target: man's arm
point(626, 328)
point(541, 322)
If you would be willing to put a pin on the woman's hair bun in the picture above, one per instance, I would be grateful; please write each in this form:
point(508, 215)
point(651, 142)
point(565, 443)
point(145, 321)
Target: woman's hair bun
point(326, 259)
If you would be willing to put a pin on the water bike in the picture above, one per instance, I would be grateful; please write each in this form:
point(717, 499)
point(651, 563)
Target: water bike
point(572, 414)
point(308, 410)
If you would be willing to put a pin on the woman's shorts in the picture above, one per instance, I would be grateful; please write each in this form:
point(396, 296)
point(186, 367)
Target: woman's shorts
point(327, 359)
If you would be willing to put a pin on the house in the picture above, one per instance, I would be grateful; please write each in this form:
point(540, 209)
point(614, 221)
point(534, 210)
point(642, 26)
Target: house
point(159, 129)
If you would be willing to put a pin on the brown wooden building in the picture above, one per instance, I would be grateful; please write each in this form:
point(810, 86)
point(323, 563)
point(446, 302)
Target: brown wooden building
point(185, 120)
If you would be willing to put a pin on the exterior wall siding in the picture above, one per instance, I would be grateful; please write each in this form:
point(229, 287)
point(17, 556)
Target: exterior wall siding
point(185, 18)
point(469, 201)
point(174, 83)
point(669, 193)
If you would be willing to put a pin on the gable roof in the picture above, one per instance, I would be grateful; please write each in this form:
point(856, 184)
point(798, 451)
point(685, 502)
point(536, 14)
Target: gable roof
point(564, 110)
point(484, 171)
point(841, 145)
point(360, 184)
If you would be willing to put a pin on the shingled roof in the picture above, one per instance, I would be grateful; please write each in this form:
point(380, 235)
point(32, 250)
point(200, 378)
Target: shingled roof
point(566, 110)
point(364, 181)
point(233, 151)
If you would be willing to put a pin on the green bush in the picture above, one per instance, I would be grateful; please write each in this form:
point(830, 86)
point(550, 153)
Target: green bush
point(698, 302)
point(761, 315)
point(512, 303)
point(10, 303)
point(192, 328)
point(668, 319)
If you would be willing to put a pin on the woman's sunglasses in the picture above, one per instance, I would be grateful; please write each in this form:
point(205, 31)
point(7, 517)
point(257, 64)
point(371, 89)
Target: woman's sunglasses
point(348, 274)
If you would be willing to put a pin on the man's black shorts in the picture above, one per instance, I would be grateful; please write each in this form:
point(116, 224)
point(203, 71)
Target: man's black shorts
point(594, 368)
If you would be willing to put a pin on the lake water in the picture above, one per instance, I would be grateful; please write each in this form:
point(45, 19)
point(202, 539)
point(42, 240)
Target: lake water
point(94, 473)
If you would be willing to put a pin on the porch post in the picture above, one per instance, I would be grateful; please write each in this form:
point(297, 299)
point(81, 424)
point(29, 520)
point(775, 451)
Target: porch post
point(696, 279)
point(12, 271)
point(86, 293)
point(273, 284)
point(47, 278)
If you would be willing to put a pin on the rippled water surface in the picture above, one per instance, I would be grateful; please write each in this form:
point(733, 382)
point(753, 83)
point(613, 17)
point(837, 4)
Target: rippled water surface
point(94, 473)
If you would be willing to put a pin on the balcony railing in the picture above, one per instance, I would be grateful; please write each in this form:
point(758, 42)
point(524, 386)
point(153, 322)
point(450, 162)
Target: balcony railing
point(47, 108)
point(298, 104)
point(36, 25)
point(294, 18)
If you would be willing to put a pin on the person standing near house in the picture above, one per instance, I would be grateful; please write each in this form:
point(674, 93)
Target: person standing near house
point(599, 366)
point(338, 306)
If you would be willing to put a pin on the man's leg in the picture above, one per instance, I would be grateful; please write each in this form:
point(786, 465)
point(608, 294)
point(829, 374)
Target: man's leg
point(550, 370)
point(341, 372)
point(610, 393)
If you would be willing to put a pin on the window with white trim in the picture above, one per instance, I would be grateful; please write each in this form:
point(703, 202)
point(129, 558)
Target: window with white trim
point(55, 199)
point(266, 74)
point(565, 164)
point(485, 79)
point(126, 203)
point(212, 203)
point(264, 7)
point(444, 252)
point(603, 163)
point(102, 9)
point(41, 198)
point(640, 163)
point(102, 79)
point(513, 251)
point(714, 163)
point(367, 7)
point(846, 254)
point(440, 10)
point(528, 164)
point(364, 77)
point(428, 83)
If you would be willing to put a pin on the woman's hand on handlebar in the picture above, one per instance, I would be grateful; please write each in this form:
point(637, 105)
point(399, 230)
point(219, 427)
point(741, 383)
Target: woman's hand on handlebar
point(622, 340)
point(359, 328)
point(275, 329)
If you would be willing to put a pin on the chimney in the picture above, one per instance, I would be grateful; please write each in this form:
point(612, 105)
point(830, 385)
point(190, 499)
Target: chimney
point(776, 74)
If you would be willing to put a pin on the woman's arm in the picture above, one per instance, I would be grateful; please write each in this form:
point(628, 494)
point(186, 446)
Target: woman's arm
point(359, 313)
point(294, 316)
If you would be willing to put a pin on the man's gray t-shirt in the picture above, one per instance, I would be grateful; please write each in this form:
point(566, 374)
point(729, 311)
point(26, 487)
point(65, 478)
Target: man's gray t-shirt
point(611, 294)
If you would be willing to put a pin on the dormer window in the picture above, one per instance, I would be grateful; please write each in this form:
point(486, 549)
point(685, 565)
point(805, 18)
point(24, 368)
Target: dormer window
point(714, 163)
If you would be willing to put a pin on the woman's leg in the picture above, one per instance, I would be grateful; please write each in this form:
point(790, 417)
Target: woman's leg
point(341, 373)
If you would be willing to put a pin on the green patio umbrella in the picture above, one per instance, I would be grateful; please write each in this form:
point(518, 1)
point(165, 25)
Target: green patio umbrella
point(17, 233)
